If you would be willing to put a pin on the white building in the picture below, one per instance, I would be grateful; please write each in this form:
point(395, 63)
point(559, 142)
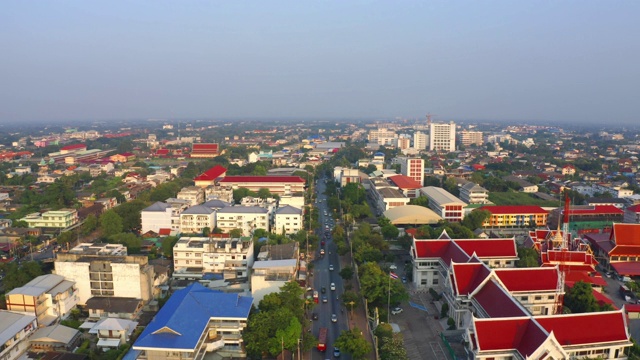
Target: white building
point(98, 274)
point(288, 220)
point(444, 204)
point(163, 215)
point(471, 138)
point(48, 297)
point(442, 137)
point(194, 256)
point(269, 276)
point(193, 194)
point(196, 218)
point(472, 193)
point(245, 218)
point(15, 330)
point(413, 168)
point(420, 140)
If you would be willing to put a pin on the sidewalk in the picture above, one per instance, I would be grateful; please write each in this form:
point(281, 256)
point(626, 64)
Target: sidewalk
point(359, 318)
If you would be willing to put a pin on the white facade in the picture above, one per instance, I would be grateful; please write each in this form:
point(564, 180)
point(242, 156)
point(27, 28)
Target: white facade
point(107, 275)
point(48, 297)
point(420, 140)
point(288, 220)
point(162, 216)
point(15, 330)
point(245, 218)
point(199, 255)
point(193, 194)
point(196, 218)
point(472, 193)
point(413, 168)
point(471, 138)
point(269, 276)
point(442, 137)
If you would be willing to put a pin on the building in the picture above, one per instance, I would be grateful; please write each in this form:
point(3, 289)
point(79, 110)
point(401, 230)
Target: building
point(420, 140)
point(60, 219)
point(412, 215)
point(113, 332)
point(196, 218)
point(195, 256)
point(618, 250)
point(47, 297)
point(588, 219)
point(388, 198)
point(632, 214)
point(54, 338)
point(123, 157)
point(413, 168)
point(15, 330)
point(193, 194)
point(515, 216)
point(106, 270)
point(245, 218)
point(472, 193)
point(381, 134)
point(277, 185)
point(525, 186)
point(288, 220)
point(468, 138)
point(163, 215)
point(442, 137)
point(346, 176)
point(270, 275)
point(403, 142)
point(204, 150)
point(209, 177)
point(447, 206)
point(410, 188)
point(216, 322)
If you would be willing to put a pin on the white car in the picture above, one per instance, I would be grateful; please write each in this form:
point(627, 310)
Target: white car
point(396, 310)
point(333, 286)
point(334, 318)
point(330, 267)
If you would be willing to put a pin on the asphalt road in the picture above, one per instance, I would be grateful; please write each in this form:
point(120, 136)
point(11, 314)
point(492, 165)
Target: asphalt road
point(323, 277)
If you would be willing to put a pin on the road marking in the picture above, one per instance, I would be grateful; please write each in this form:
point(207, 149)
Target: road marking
point(438, 352)
point(419, 307)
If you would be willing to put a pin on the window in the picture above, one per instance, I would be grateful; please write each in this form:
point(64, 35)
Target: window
point(435, 281)
point(524, 298)
point(550, 297)
point(537, 298)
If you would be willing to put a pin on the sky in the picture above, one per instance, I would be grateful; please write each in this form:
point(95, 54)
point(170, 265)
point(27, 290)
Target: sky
point(558, 61)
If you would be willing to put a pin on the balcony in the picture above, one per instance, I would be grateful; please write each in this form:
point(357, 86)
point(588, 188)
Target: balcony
point(216, 345)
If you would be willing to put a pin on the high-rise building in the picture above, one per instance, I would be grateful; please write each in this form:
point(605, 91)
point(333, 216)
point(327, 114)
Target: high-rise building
point(442, 137)
point(404, 142)
point(413, 168)
point(420, 140)
point(381, 133)
point(471, 138)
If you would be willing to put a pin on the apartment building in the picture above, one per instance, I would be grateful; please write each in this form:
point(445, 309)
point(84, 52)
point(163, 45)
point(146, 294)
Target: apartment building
point(245, 218)
point(420, 140)
point(106, 270)
point(195, 256)
point(377, 134)
point(15, 330)
point(60, 219)
point(442, 137)
point(447, 206)
point(49, 298)
point(468, 138)
point(413, 168)
point(163, 215)
point(193, 194)
point(344, 176)
point(280, 185)
point(472, 193)
point(403, 142)
point(194, 219)
point(216, 322)
point(288, 220)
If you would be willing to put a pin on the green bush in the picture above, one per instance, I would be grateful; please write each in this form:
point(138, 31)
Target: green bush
point(445, 310)
point(434, 294)
point(451, 323)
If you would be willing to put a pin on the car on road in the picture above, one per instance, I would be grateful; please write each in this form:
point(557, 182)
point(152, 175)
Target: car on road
point(404, 279)
point(325, 299)
point(330, 267)
point(333, 286)
point(336, 352)
point(396, 310)
point(323, 290)
point(334, 318)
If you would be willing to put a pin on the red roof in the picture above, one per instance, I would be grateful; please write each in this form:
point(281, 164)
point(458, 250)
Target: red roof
point(572, 276)
point(627, 268)
point(497, 303)
point(528, 279)
point(626, 234)
point(489, 248)
point(74, 147)
point(162, 152)
point(205, 148)
point(521, 334)
point(212, 174)
point(566, 256)
point(625, 251)
point(467, 276)
point(412, 231)
point(164, 232)
point(634, 208)
point(514, 209)
point(596, 209)
point(611, 325)
point(405, 182)
point(262, 179)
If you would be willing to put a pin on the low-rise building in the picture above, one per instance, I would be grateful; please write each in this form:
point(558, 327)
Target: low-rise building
point(280, 185)
point(60, 219)
point(196, 218)
point(15, 329)
point(245, 218)
point(472, 193)
point(216, 322)
point(193, 194)
point(122, 157)
point(443, 203)
point(288, 220)
point(163, 215)
point(48, 297)
point(510, 216)
point(113, 332)
point(195, 256)
point(209, 177)
point(269, 276)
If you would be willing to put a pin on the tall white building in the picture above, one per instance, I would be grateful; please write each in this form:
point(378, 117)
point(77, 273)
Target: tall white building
point(288, 220)
point(413, 168)
point(442, 137)
point(471, 138)
point(420, 140)
point(194, 256)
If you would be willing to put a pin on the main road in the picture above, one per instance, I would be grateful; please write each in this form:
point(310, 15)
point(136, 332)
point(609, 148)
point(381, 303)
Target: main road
point(323, 277)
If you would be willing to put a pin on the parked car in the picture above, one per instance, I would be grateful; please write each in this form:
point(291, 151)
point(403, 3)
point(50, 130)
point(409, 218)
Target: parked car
point(396, 310)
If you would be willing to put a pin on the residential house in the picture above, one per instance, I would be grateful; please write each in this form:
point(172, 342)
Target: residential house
point(113, 332)
point(270, 275)
point(216, 322)
point(48, 178)
point(288, 220)
point(195, 256)
point(525, 186)
point(49, 298)
point(472, 193)
point(245, 218)
point(54, 338)
point(15, 329)
point(100, 307)
point(193, 194)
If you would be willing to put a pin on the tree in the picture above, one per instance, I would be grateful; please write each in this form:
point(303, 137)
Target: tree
point(527, 257)
point(420, 201)
point(375, 285)
point(235, 233)
point(130, 214)
point(264, 193)
point(131, 241)
point(20, 224)
point(346, 273)
point(383, 330)
point(167, 245)
point(353, 342)
point(475, 219)
point(89, 225)
point(390, 231)
point(392, 348)
point(65, 237)
point(110, 223)
point(580, 298)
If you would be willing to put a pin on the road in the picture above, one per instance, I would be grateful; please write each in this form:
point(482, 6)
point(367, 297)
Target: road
point(323, 277)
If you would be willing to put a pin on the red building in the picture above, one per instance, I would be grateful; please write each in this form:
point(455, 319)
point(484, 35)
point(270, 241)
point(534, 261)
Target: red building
point(204, 150)
point(210, 176)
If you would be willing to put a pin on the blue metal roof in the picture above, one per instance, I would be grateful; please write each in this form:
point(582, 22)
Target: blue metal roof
point(185, 316)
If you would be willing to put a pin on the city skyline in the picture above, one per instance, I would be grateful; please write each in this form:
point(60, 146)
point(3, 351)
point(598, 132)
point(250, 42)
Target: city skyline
point(498, 61)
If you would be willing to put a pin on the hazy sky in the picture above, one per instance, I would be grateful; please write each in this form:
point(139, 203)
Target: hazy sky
point(505, 60)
